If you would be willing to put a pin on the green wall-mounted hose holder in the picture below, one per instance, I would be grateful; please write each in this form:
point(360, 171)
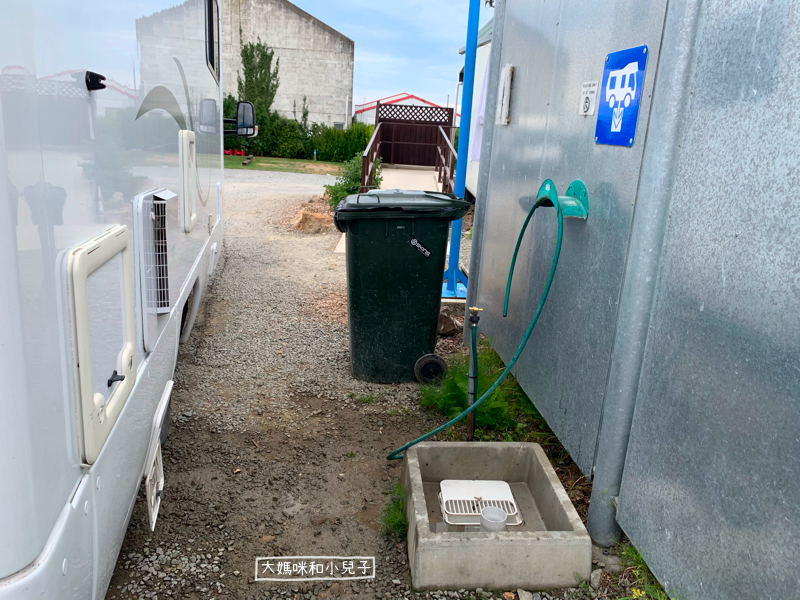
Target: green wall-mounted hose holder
point(575, 205)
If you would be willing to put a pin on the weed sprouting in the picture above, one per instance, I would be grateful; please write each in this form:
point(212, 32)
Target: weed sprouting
point(393, 519)
point(369, 398)
point(647, 586)
point(507, 414)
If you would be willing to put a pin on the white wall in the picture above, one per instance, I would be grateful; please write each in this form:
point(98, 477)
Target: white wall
point(316, 61)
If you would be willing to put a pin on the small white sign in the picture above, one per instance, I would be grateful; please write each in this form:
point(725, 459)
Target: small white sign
point(588, 98)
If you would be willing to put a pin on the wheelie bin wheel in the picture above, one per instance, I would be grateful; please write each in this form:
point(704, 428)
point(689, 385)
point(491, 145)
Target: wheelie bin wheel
point(430, 368)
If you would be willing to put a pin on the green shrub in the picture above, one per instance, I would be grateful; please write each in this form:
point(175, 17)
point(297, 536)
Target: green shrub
point(508, 408)
point(290, 141)
point(289, 138)
point(338, 145)
point(349, 180)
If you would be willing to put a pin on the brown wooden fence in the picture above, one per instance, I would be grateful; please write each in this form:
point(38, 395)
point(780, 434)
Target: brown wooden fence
point(444, 159)
point(409, 135)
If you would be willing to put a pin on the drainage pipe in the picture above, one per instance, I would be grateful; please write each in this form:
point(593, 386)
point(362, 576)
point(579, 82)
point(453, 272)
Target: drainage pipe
point(472, 375)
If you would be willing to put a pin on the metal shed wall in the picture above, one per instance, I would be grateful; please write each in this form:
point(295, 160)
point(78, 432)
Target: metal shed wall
point(680, 296)
point(555, 47)
point(711, 485)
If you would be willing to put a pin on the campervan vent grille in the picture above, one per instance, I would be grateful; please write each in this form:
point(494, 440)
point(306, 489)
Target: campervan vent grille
point(155, 258)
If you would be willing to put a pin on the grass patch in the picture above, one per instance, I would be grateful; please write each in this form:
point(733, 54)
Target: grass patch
point(367, 398)
point(393, 519)
point(646, 586)
point(508, 414)
point(286, 165)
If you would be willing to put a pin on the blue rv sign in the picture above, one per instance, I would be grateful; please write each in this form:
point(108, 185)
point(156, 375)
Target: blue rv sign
point(620, 95)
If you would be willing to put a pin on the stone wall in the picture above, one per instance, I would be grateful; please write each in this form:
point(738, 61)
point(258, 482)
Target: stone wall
point(316, 61)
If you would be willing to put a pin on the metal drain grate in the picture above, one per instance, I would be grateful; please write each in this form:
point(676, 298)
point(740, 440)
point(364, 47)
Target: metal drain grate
point(462, 500)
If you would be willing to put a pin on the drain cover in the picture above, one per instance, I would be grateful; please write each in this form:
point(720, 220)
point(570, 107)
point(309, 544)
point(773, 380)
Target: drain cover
point(462, 500)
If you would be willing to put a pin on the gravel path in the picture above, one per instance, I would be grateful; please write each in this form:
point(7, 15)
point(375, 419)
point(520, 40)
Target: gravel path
point(273, 449)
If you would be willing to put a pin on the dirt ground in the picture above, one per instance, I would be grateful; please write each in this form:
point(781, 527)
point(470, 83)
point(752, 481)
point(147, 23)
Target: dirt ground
point(274, 450)
point(270, 451)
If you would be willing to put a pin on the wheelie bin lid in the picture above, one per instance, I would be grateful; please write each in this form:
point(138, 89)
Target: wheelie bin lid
point(382, 204)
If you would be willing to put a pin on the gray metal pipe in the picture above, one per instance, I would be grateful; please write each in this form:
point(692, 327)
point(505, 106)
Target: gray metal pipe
point(638, 290)
point(472, 387)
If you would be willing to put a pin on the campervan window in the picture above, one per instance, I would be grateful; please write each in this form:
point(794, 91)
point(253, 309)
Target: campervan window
point(212, 37)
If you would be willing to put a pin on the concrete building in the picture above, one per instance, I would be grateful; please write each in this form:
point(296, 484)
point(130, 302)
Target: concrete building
point(365, 113)
point(316, 61)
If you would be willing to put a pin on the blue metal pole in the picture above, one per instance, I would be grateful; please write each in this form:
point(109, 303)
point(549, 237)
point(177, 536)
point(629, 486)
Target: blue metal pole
point(454, 285)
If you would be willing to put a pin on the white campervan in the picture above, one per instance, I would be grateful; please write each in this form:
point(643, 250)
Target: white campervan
point(110, 227)
point(621, 85)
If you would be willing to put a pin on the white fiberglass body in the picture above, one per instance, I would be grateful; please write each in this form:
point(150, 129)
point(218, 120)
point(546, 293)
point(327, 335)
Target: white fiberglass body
point(110, 219)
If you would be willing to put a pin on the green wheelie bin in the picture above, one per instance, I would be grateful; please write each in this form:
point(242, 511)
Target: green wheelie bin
point(396, 246)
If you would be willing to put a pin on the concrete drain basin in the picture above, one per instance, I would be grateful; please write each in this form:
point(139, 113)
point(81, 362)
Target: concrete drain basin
point(548, 550)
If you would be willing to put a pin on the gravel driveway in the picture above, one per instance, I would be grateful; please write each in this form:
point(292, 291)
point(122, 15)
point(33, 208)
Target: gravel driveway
point(273, 448)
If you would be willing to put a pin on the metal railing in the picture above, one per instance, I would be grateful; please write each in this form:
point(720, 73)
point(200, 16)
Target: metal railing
point(445, 162)
point(368, 160)
point(445, 157)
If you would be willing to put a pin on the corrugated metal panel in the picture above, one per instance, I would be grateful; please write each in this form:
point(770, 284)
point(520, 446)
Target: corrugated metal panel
point(711, 487)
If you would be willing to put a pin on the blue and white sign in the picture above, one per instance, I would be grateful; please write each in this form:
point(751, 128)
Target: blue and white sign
point(620, 92)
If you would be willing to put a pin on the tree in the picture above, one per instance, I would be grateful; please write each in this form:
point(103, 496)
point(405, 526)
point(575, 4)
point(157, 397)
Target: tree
point(229, 107)
point(258, 80)
point(304, 118)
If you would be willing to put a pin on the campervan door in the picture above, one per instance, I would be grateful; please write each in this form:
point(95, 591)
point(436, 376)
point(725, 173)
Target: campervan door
point(110, 225)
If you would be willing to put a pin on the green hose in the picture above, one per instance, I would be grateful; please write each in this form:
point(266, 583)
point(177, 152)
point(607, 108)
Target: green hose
point(516, 249)
point(398, 453)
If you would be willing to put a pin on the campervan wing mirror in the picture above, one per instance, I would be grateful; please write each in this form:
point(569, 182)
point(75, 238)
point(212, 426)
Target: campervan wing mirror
point(246, 120)
point(208, 115)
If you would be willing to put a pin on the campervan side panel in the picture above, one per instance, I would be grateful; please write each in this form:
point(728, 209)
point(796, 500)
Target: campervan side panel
point(38, 448)
point(73, 161)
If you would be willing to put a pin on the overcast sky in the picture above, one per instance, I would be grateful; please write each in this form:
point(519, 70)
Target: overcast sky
point(401, 45)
